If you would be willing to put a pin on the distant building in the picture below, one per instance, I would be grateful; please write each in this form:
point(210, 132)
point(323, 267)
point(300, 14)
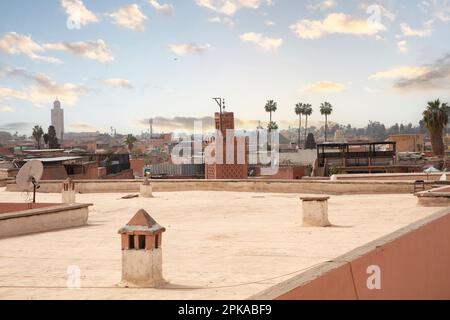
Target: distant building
point(227, 169)
point(58, 120)
point(224, 121)
point(339, 136)
point(409, 142)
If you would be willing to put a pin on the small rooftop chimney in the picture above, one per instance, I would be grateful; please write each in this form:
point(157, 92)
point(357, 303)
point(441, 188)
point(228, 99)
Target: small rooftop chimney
point(146, 188)
point(141, 252)
point(68, 191)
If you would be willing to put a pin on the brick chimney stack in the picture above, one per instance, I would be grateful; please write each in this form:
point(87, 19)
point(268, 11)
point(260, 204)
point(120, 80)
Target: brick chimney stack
point(141, 252)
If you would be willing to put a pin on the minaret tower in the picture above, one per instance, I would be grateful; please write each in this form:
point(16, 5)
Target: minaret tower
point(58, 120)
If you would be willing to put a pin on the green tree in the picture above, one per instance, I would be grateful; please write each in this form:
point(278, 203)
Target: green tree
point(130, 140)
point(435, 118)
point(37, 135)
point(272, 126)
point(310, 142)
point(307, 111)
point(270, 107)
point(51, 138)
point(326, 109)
point(299, 111)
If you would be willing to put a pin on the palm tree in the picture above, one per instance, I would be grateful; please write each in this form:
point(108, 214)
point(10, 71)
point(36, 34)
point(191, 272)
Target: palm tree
point(129, 141)
point(435, 118)
point(272, 126)
point(299, 111)
point(271, 106)
point(326, 109)
point(37, 135)
point(307, 111)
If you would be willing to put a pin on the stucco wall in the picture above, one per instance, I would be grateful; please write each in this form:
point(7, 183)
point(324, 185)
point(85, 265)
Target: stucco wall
point(43, 219)
point(414, 263)
point(392, 176)
point(256, 185)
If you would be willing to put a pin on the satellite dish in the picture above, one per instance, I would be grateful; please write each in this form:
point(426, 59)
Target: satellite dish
point(29, 175)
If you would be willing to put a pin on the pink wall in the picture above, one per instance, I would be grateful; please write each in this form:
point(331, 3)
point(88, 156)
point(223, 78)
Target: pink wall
point(415, 265)
point(7, 207)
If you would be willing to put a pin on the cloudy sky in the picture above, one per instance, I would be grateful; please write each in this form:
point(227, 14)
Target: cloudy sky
point(115, 63)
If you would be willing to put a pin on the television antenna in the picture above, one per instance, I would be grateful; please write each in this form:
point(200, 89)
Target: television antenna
point(221, 103)
point(29, 176)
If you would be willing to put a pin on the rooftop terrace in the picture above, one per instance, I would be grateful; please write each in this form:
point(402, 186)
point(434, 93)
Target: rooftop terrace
point(218, 245)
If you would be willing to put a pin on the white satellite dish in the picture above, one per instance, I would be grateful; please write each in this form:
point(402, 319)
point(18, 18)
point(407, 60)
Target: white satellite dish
point(29, 175)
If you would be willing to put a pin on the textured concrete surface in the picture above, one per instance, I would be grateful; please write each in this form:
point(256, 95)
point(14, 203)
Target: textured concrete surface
point(218, 245)
point(248, 185)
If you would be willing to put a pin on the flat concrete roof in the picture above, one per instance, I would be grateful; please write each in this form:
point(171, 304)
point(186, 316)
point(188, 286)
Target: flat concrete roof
point(54, 159)
point(218, 245)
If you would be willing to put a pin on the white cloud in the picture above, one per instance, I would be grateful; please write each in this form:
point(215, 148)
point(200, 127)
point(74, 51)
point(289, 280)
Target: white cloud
point(402, 46)
point(8, 93)
point(321, 5)
point(269, 23)
point(118, 82)
point(324, 86)
point(404, 72)
point(14, 43)
point(7, 109)
point(222, 20)
point(265, 43)
point(43, 89)
point(93, 50)
point(163, 8)
point(439, 9)
point(130, 17)
point(426, 31)
point(77, 12)
point(84, 127)
point(335, 23)
point(230, 7)
point(185, 48)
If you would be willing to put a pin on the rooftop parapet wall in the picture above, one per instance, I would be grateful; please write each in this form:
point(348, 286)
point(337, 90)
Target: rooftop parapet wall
point(413, 263)
point(392, 176)
point(42, 219)
point(256, 185)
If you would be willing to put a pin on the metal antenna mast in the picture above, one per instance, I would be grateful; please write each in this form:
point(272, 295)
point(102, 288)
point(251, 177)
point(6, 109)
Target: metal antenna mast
point(221, 103)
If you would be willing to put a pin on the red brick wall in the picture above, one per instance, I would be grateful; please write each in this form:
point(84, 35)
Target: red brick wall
point(137, 165)
point(54, 172)
point(126, 174)
point(101, 172)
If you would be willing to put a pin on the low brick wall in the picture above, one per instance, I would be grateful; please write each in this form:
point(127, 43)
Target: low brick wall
point(413, 264)
point(49, 218)
point(250, 185)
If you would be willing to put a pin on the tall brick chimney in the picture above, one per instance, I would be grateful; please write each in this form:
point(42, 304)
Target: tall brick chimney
point(141, 252)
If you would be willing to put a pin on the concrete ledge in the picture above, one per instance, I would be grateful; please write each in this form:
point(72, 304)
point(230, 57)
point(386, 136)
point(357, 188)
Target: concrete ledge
point(393, 176)
point(249, 185)
point(413, 261)
point(43, 219)
point(438, 197)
